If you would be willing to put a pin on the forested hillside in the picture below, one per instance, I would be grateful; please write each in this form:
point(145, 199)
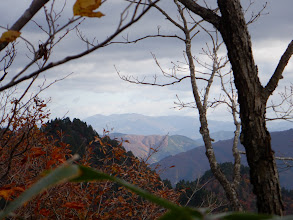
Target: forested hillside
point(50, 146)
point(75, 133)
point(206, 191)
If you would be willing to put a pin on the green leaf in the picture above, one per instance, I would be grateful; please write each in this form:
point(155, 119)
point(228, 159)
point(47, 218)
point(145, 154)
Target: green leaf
point(59, 175)
point(89, 174)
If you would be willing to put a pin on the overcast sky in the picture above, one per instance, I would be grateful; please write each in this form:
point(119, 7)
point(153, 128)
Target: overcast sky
point(94, 86)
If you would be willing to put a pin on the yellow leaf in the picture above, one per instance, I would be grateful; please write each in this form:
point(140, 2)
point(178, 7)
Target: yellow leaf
point(9, 36)
point(86, 8)
point(6, 194)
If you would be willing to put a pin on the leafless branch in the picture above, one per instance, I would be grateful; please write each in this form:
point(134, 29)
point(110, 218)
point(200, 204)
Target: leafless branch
point(274, 80)
point(196, 189)
point(207, 14)
point(283, 110)
point(136, 80)
point(18, 78)
point(278, 158)
point(35, 6)
point(254, 17)
point(7, 60)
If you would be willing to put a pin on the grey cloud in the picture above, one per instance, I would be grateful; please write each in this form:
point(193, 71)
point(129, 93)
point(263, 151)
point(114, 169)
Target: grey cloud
point(96, 74)
point(276, 24)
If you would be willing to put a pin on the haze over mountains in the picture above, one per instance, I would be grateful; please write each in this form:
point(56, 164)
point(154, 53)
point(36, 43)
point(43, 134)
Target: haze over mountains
point(179, 143)
point(153, 148)
point(167, 125)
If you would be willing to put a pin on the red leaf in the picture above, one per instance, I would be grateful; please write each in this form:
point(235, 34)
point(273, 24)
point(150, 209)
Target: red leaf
point(45, 212)
point(74, 205)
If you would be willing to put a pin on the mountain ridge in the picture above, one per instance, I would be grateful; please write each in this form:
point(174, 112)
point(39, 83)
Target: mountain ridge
point(133, 123)
point(156, 146)
point(192, 164)
point(138, 124)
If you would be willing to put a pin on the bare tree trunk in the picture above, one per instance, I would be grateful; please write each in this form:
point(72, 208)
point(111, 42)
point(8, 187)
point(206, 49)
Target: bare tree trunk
point(254, 136)
point(229, 188)
point(252, 97)
point(201, 99)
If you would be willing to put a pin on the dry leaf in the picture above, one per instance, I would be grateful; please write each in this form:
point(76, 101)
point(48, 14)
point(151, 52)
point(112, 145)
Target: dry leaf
point(9, 36)
point(74, 205)
point(86, 8)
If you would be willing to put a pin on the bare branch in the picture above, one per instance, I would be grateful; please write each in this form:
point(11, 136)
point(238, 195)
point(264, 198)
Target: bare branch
point(273, 83)
point(207, 14)
point(145, 37)
point(35, 6)
point(132, 79)
point(197, 188)
point(169, 18)
point(277, 158)
point(69, 58)
point(283, 110)
point(180, 104)
point(7, 60)
point(254, 17)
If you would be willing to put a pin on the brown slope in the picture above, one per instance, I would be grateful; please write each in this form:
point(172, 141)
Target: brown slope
point(141, 146)
point(156, 146)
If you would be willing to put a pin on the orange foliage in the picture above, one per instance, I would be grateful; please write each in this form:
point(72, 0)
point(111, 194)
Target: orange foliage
point(28, 152)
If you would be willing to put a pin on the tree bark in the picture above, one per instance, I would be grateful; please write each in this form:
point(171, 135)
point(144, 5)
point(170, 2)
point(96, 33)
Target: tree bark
point(254, 136)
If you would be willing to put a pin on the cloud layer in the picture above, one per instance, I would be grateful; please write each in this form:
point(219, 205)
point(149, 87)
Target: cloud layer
point(94, 86)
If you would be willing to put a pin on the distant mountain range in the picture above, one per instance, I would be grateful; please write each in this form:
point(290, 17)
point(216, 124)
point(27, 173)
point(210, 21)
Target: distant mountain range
point(173, 136)
point(167, 125)
point(149, 125)
point(191, 164)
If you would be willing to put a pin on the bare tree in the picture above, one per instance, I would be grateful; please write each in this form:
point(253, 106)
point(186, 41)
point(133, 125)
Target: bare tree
point(228, 19)
point(252, 97)
point(188, 25)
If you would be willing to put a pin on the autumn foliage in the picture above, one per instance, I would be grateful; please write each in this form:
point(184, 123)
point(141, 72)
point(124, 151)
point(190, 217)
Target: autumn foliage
point(87, 7)
point(28, 152)
point(9, 36)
